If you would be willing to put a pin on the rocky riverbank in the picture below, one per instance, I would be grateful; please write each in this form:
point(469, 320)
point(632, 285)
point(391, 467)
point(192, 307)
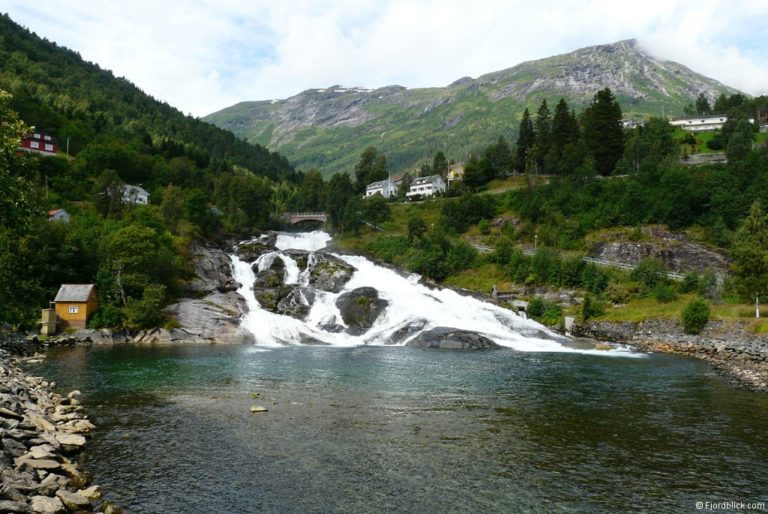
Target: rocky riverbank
point(733, 351)
point(41, 432)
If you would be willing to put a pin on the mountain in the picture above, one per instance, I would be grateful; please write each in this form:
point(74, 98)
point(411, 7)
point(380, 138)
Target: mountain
point(329, 128)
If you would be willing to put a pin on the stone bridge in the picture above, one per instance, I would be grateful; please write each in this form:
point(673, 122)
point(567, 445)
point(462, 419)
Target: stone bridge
point(298, 217)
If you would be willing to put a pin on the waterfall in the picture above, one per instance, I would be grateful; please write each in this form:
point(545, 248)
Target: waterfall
point(412, 306)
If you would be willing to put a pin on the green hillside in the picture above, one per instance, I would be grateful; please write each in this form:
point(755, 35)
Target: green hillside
point(328, 128)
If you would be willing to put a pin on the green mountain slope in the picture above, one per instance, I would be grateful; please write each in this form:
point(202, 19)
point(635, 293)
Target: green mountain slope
point(328, 128)
point(59, 93)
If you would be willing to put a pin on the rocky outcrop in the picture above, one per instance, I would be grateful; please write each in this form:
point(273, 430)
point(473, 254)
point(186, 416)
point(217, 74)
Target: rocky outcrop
point(443, 338)
point(678, 253)
point(41, 431)
point(213, 271)
point(360, 307)
point(249, 251)
point(329, 273)
point(730, 347)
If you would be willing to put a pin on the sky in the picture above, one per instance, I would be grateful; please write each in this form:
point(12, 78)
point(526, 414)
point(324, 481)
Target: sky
point(203, 55)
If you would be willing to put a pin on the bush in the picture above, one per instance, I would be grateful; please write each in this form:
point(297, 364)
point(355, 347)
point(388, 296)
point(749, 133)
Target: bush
point(690, 282)
point(485, 227)
point(708, 287)
point(695, 316)
point(544, 312)
point(108, 316)
point(621, 292)
point(650, 272)
point(664, 293)
point(147, 312)
point(591, 308)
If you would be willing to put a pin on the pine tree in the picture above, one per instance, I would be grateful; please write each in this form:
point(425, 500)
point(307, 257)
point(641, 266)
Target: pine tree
point(526, 138)
point(543, 131)
point(603, 132)
point(565, 131)
point(750, 255)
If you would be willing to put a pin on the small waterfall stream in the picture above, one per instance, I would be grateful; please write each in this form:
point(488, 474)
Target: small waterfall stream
point(412, 307)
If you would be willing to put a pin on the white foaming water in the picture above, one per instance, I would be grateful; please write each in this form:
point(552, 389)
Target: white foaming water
point(410, 304)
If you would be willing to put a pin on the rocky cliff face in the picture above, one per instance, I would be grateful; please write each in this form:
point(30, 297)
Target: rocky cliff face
point(328, 128)
point(676, 250)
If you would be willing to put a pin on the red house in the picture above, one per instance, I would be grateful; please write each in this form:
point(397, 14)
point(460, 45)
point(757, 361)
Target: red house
point(39, 142)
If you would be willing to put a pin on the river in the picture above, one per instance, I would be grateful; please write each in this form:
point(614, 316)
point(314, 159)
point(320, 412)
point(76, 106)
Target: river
point(356, 425)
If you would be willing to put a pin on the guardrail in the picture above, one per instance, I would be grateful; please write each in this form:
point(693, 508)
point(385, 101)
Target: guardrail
point(527, 250)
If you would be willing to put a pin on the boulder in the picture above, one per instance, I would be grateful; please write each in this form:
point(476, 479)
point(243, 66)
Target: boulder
point(443, 338)
point(37, 463)
point(213, 319)
point(406, 331)
point(300, 256)
point(69, 439)
point(92, 493)
point(360, 307)
point(330, 273)
point(46, 505)
point(249, 251)
point(297, 303)
point(73, 501)
point(12, 506)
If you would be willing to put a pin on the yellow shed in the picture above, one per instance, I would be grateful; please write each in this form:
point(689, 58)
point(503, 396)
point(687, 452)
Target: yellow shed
point(75, 303)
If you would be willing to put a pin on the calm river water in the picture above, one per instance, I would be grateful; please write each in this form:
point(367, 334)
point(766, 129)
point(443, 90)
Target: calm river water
point(393, 429)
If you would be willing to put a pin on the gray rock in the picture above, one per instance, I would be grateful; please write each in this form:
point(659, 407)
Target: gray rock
point(73, 501)
point(69, 439)
point(13, 447)
point(46, 505)
point(249, 251)
point(212, 319)
point(213, 270)
point(297, 303)
point(443, 338)
point(14, 506)
point(360, 308)
point(330, 273)
point(406, 331)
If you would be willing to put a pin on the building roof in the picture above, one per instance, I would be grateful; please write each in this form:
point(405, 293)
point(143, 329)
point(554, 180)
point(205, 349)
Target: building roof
point(380, 183)
point(128, 189)
point(74, 293)
point(425, 180)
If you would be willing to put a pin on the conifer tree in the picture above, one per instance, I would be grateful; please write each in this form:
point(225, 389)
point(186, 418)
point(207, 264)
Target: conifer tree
point(525, 140)
point(750, 255)
point(603, 132)
point(543, 131)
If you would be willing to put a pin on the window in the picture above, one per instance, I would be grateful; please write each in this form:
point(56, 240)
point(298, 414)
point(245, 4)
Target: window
point(34, 144)
point(37, 135)
point(73, 309)
point(48, 147)
point(47, 138)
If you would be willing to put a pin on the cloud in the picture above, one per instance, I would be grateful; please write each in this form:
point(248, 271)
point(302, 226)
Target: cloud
point(201, 56)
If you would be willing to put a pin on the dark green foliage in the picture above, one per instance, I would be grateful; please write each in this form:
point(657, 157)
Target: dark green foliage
point(416, 228)
point(750, 254)
point(702, 105)
point(146, 312)
point(525, 140)
point(543, 133)
point(107, 316)
point(650, 272)
point(544, 312)
point(690, 282)
point(664, 293)
point(484, 227)
point(371, 167)
point(375, 209)
point(603, 133)
point(340, 190)
point(695, 316)
point(439, 165)
point(458, 215)
point(591, 308)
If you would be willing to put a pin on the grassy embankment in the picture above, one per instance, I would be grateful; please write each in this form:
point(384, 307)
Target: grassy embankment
point(483, 274)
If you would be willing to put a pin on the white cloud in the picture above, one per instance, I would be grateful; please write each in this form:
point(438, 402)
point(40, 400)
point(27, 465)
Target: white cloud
point(203, 56)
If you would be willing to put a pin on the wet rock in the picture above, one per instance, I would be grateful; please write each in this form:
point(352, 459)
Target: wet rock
point(92, 493)
point(360, 308)
point(330, 273)
point(297, 303)
point(300, 256)
point(406, 331)
point(251, 250)
point(213, 319)
point(443, 338)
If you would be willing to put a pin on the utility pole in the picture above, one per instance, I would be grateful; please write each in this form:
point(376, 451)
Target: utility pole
point(67, 146)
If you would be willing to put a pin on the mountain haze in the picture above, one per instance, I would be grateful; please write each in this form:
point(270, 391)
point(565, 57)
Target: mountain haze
point(328, 128)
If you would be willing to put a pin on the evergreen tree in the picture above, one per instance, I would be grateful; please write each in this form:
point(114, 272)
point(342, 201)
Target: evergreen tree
point(750, 255)
point(702, 105)
point(526, 137)
point(603, 132)
point(371, 167)
point(340, 190)
point(543, 131)
point(565, 131)
point(440, 164)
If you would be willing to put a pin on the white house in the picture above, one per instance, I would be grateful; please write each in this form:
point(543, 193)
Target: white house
point(385, 188)
point(58, 215)
point(135, 195)
point(700, 124)
point(426, 186)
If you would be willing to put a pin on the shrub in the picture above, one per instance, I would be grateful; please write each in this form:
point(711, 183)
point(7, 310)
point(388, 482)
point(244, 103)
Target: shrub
point(650, 272)
point(485, 227)
point(147, 312)
point(108, 316)
point(690, 282)
point(621, 292)
point(695, 316)
point(591, 308)
point(708, 287)
point(544, 312)
point(664, 293)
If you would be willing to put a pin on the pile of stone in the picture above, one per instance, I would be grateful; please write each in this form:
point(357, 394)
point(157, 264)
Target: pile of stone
point(40, 433)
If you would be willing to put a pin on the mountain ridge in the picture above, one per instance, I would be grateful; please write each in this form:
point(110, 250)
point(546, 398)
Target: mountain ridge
point(327, 128)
